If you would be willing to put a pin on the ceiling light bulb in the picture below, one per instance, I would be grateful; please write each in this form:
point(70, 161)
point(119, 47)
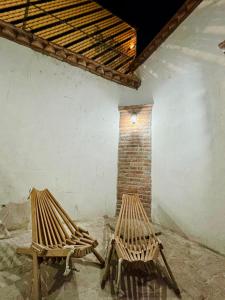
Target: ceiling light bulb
point(131, 46)
point(134, 118)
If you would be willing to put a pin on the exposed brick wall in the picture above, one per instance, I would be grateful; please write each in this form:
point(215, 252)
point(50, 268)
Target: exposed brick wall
point(134, 159)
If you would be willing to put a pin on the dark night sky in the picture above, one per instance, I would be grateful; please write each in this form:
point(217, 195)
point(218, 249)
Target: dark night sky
point(146, 16)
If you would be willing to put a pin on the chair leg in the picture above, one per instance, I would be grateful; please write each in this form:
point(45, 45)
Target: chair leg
point(173, 281)
point(107, 268)
point(119, 275)
point(99, 257)
point(36, 289)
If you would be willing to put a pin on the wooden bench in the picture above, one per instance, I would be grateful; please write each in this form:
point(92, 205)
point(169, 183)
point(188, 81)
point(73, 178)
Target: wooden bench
point(135, 241)
point(54, 234)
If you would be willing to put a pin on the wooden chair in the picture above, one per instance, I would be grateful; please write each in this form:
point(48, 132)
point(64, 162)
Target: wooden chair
point(134, 241)
point(54, 235)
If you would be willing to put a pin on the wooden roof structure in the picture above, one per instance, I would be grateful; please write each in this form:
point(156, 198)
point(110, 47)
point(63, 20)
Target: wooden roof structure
point(84, 34)
point(79, 27)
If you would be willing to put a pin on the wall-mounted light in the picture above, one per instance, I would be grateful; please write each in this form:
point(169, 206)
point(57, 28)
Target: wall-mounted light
point(133, 118)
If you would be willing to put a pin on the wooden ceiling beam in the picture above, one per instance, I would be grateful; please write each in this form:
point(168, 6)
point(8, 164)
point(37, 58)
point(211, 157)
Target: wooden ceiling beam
point(185, 10)
point(106, 41)
point(36, 43)
point(6, 6)
point(89, 39)
point(79, 23)
point(115, 46)
point(90, 32)
point(50, 20)
point(108, 54)
point(67, 30)
point(38, 12)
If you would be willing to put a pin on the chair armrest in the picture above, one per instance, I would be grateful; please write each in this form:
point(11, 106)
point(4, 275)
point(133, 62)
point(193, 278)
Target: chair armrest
point(24, 250)
point(38, 248)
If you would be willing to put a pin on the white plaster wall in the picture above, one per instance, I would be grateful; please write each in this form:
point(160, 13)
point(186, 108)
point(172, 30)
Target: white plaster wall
point(58, 129)
point(186, 80)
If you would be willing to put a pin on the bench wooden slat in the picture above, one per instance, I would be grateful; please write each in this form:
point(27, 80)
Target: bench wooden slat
point(131, 229)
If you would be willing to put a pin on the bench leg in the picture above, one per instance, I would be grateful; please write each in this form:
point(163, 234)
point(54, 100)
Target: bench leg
point(119, 275)
point(107, 268)
point(172, 279)
point(36, 288)
point(99, 257)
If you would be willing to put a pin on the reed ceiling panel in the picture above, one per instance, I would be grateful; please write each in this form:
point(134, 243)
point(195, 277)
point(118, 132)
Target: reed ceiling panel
point(82, 26)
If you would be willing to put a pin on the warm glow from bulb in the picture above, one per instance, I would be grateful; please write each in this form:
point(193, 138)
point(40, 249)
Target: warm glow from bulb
point(131, 46)
point(134, 118)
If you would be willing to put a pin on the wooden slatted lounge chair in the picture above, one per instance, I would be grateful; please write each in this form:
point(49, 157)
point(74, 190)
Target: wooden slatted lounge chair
point(54, 234)
point(134, 241)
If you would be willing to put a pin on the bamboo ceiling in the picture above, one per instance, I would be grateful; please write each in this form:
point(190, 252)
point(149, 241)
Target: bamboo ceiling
point(81, 26)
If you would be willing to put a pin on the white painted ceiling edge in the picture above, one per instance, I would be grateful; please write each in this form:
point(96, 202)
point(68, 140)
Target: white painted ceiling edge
point(143, 95)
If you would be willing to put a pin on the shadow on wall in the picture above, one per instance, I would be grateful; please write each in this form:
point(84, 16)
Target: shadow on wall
point(168, 222)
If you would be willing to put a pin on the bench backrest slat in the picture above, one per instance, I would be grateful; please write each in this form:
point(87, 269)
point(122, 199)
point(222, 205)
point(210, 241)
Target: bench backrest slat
point(51, 225)
point(133, 225)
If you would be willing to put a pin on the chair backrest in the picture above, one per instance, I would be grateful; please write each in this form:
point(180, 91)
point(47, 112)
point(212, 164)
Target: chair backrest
point(133, 224)
point(51, 225)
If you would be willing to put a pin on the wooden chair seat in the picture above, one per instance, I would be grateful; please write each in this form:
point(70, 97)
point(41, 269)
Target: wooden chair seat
point(54, 234)
point(141, 251)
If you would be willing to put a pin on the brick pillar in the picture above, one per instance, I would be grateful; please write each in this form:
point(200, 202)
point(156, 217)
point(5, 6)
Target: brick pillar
point(134, 159)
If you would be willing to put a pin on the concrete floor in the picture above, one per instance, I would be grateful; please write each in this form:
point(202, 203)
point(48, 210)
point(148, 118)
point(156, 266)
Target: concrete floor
point(200, 273)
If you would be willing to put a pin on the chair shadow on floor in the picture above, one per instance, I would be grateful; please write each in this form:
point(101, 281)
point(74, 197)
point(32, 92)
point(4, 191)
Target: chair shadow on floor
point(138, 284)
point(54, 283)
